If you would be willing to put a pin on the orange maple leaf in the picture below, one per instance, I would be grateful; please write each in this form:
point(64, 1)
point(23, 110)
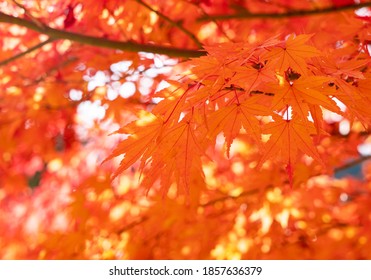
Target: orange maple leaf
point(293, 53)
point(288, 137)
point(306, 94)
point(230, 119)
point(250, 77)
point(140, 144)
point(341, 67)
point(177, 153)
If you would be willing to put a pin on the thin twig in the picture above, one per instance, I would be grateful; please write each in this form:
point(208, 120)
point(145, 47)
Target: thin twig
point(227, 197)
point(172, 22)
point(293, 13)
point(38, 46)
point(132, 225)
point(218, 24)
point(35, 20)
point(49, 72)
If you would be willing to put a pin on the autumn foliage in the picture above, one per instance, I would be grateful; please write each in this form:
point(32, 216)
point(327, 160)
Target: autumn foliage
point(184, 129)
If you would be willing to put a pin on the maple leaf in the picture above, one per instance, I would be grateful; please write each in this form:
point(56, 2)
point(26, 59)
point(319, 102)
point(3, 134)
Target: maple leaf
point(207, 64)
point(231, 118)
point(288, 137)
point(177, 153)
point(354, 97)
point(293, 53)
point(173, 102)
point(250, 77)
point(143, 135)
point(302, 94)
point(341, 67)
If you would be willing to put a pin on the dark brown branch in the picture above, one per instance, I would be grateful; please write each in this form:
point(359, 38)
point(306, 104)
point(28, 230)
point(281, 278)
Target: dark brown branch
point(11, 59)
point(293, 13)
point(172, 22)
point(101, 42)
point(352, 163)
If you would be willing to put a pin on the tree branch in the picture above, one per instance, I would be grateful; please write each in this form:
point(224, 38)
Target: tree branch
point(132, 225)
point(131, 46)
point(293, 13)
point(40, 45)
point(172, 22)
point(352, 163)
point(227, 197)
point(101, 42)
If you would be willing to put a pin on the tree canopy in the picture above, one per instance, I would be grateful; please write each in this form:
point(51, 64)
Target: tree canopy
point(185, 129)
